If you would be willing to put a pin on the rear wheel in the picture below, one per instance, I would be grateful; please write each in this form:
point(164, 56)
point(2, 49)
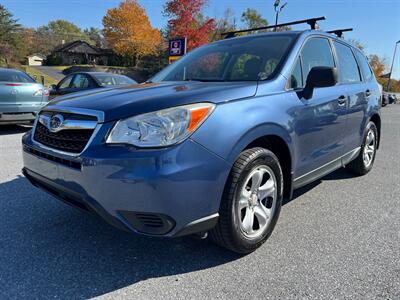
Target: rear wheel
point(365, 160)
point(251, 202)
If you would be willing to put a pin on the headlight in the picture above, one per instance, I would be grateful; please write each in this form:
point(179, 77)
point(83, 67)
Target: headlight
point(160, 128)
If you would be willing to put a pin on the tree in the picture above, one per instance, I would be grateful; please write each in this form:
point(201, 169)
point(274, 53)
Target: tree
point(379, 66)
point(357, 43)
point(225, 24)
point(6, 54)
point(128, 31)
point(95, 36)
point(55, 33)
point(10, 37)
point(252, 19)
point(186, 20)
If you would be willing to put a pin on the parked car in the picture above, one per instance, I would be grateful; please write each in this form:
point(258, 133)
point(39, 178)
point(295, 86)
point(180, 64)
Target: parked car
point(392, 99)
point(215, 141)
point(385, 99)
point(78, 82)
point(21, 97)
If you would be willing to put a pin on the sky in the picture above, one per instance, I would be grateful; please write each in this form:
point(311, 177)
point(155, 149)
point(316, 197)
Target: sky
point(376, 23)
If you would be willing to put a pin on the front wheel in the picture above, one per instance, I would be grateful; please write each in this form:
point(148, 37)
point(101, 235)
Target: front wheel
point(251, 202)
point(363, 163)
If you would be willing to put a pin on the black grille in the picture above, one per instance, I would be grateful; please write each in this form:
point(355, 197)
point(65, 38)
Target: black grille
point(65, 162)
point(68, 140)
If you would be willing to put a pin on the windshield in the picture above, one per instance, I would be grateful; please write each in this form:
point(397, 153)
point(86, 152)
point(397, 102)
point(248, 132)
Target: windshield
point(15, 76)
point(243, 59)
point(110, 79)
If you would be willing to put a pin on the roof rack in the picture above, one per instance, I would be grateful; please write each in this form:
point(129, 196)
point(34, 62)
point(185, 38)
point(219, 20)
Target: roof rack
point(339, 32)
point(312, 22)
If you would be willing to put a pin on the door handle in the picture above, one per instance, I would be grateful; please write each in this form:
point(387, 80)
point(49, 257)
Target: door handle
point(367, 93)
point(342, 100)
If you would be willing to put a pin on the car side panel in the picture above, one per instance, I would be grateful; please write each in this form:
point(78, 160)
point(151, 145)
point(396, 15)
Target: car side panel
point(361, 108)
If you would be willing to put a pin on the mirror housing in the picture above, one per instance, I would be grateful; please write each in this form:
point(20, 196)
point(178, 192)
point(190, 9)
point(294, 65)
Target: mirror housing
point(319, 77)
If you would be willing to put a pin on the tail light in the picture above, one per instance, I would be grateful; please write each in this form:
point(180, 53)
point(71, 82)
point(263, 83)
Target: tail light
point(42, 92)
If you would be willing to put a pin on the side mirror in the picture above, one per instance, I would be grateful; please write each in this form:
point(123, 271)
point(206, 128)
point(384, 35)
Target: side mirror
point(53, 87)
point(319, 77)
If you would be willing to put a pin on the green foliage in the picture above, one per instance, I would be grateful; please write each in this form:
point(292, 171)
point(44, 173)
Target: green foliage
point(11, 43)
point(56, 32)
point(225, 24)
point(252, 19)
point(95, 36)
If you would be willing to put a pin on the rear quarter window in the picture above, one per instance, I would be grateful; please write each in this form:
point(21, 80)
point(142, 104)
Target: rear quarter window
point(364, 66)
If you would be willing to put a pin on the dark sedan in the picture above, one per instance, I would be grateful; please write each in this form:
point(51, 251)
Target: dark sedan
point(78, 82)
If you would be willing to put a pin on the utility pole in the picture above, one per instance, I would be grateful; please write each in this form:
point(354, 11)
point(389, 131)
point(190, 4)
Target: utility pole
point(278, 10)
point(391, 68)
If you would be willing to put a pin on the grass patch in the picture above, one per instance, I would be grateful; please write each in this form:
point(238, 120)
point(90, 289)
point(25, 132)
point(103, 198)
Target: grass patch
point(37, 74)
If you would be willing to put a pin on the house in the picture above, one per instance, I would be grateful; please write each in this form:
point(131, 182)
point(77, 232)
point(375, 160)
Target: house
point(35, 60)
point(81, 52)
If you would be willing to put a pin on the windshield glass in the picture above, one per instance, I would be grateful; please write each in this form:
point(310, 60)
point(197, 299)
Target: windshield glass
point(110, 79)
point(244, 59)
point(15, 76)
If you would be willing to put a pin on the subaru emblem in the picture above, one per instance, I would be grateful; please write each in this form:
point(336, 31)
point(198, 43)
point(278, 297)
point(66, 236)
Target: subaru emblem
point(56, 123)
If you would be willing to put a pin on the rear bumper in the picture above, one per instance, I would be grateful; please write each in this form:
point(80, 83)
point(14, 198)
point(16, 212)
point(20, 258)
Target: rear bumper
point(15, 118)
point(165, 192)
point(17, 113)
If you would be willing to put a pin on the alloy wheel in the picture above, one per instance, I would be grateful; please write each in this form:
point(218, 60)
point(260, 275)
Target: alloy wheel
point(369, 148)
point(257, 201)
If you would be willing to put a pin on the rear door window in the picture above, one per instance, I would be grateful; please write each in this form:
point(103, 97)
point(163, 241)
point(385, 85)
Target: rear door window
point(316, 52)
point(80, 81)
point(348, 68)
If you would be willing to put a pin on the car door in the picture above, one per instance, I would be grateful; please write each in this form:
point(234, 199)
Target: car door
point(319, 122)
point(359, 92)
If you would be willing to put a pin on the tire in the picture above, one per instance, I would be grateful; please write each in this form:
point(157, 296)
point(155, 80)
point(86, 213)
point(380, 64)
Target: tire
point(235, 230)
point(361, 166)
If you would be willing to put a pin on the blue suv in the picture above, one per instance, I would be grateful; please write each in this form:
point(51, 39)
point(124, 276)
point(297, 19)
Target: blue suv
point(215, 141)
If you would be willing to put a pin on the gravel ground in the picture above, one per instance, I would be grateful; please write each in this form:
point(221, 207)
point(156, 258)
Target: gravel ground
point(339, 238)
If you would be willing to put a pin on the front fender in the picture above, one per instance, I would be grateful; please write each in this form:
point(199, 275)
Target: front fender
point(234, 125)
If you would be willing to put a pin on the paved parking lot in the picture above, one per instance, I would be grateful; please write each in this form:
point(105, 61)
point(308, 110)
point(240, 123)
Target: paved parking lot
point(339, 238)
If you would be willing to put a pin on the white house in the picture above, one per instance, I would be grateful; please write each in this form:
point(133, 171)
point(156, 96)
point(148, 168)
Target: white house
point(35, 60)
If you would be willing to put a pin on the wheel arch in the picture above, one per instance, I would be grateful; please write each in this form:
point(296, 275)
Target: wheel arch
point(275, 139)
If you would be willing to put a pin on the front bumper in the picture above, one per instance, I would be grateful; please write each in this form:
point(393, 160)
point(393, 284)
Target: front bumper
point(168, 192)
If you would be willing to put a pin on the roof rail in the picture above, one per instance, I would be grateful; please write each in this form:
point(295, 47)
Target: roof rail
point(312, 22)
point(339, 32)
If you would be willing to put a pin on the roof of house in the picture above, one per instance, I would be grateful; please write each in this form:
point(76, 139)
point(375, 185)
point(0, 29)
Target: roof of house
point(36, 54)
point(68, 47)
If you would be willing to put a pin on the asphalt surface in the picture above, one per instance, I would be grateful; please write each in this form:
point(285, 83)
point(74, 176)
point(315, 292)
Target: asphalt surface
point(50, 71)
point(339, 238)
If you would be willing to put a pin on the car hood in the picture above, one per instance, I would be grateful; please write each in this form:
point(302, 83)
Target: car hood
point(125, 101)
